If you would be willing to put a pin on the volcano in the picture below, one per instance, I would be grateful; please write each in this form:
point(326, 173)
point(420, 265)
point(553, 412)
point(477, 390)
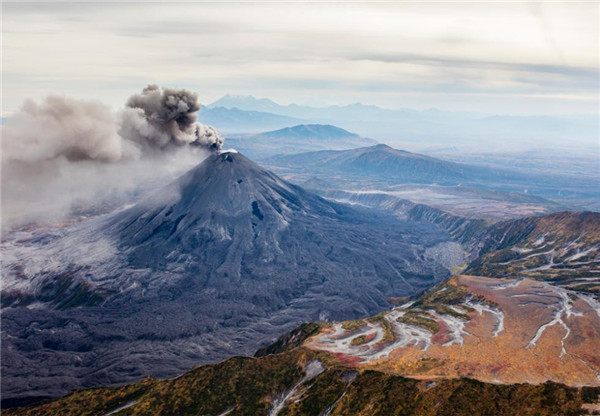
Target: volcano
point(218, 263)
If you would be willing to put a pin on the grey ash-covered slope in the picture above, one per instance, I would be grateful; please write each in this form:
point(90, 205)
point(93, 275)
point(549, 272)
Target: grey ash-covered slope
point(239, 228)
point(219, 263)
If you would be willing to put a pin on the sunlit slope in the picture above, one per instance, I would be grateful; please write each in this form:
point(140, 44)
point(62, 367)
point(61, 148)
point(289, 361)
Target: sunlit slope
point(493, 330)
point(305, 382)
point(563, 248)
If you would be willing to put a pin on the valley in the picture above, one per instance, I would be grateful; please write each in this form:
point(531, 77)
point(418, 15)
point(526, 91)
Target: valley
point(455, 200)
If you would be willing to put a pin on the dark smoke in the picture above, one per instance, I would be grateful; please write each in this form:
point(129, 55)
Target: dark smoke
point(161, 118)
point(64, 152)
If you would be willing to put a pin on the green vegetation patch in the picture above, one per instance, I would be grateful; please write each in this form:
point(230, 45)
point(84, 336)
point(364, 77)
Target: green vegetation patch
point(249, 386)
point(465, 308)
point(292, 339)
point(323, 392)
point(450, 293)
point(97, 401)
point(447, 310)
point(359, 340)
point(351, 326)
point(388, 331)
point(420, 319)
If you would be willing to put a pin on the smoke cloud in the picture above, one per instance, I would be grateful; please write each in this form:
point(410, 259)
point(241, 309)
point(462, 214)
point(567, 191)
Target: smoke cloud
point(63, 153)
point(59, 126)
point(161, 118)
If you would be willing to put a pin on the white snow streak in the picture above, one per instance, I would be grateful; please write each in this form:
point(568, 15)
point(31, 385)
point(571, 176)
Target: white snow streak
point(564, 308)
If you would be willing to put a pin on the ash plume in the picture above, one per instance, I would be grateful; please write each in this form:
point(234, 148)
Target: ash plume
point(62, 152)
point(160, 118)
point(63, 127)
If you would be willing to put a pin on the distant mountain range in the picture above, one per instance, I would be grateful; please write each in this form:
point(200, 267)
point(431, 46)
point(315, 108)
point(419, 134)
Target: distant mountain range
point(297, 139)
point(422, 129)
point(334, 112)
point(311, 131)
point(247, 103)
point(385, 166)
point(234, 120)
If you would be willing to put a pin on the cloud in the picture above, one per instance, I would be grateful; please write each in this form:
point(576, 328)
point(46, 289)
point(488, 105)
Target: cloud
point(101, 49)
point(428, 59)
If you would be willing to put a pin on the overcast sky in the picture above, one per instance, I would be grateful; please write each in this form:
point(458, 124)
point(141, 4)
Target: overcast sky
point(519, 58)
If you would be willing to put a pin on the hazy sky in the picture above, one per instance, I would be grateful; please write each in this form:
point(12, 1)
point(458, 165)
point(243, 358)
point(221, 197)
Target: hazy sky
point(520, 58)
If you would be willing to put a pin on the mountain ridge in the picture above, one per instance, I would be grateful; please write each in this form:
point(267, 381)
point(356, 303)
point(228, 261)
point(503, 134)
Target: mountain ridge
point(409, 127)
point(378, 160)
point(305, 382)
point(311, 131)
point(296, 139)
point(382, 165)
point(234, 120)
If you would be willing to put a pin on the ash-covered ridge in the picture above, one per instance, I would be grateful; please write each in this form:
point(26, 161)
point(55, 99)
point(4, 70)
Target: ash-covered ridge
point(218, 263)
